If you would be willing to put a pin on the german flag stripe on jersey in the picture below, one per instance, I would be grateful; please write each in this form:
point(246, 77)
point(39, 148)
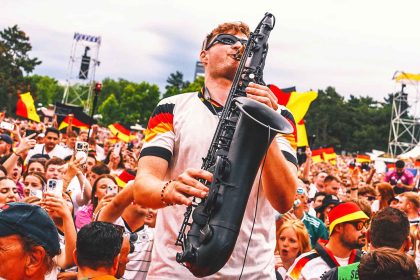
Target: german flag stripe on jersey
point(160, 122)
point(295, 273)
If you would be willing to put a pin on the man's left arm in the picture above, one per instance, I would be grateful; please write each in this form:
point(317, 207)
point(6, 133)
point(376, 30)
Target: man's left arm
point(279, 175)
point(279, 179)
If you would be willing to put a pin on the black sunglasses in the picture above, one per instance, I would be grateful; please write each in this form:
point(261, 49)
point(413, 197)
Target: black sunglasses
point(359, 225)
point(226, 39)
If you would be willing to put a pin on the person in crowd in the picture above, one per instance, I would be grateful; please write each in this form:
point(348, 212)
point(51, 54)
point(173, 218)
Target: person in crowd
point(14, 166)
point(6, 145)
point(50, 147)
point(387, 263)
point(329, 202)
point(318, 184)
point(331, 185)
point(28, 242)
point(115, 162)
point(90, 162)
point(315, 227)
point(367, 193)
point(348, 226)
point(55, 169)
point(76, 184)
point(8, 191)
point(400, 178)
point(384, 198)
point(36, 165)
point(292, 241)
point(150, 219)
point(121, 210)
point(168, 169)
point(98, 251)
point(101, 196)
point(34, 184)
point(389, 229)
point(409, 203)
point(316, 202)
point(96, 171)
point(60, 208)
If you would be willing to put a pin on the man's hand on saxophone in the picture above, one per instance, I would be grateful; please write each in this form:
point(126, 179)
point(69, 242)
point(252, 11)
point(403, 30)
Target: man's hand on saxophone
point(185, 186)
point(262, 94)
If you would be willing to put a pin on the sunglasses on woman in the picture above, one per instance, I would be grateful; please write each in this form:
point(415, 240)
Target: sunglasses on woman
point(226, 39)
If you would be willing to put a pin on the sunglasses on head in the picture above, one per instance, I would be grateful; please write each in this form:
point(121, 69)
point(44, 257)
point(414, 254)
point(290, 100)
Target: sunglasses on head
point(226, 39)
point(359, 225)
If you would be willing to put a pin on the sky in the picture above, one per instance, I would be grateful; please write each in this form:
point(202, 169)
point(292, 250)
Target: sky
point(355, 46)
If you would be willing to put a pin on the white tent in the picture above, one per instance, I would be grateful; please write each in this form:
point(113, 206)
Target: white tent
point(413, 153)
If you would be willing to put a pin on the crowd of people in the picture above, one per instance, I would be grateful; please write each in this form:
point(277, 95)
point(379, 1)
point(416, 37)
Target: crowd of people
point(66, 216)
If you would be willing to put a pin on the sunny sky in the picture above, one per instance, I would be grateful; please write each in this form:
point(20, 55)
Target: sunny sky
point(355, 46)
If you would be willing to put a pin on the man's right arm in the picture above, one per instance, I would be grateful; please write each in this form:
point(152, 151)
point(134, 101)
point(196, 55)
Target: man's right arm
point(149, 186)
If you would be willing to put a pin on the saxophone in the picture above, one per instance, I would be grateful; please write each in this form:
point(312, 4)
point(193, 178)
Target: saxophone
point(242, 137)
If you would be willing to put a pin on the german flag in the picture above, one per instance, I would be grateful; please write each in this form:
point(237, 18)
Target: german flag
point(363, 158)
point(79, 119)
point(298, 103)
point(121, 132)
point(124, 178)
point(25, 107)
point(160, 122)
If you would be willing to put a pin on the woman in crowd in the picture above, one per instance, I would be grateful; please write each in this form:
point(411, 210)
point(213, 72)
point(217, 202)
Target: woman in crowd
point(36, 165)
point(8, 191)
point(292, 241)
point(385, 196)
point(34, 183)
point(115, 162)
point(101, 196)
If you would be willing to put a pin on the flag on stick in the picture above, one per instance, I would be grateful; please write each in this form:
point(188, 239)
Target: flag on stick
point(25, 107)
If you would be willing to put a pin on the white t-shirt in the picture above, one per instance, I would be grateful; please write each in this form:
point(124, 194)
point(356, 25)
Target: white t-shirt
point(58, 151)
point(180, 130)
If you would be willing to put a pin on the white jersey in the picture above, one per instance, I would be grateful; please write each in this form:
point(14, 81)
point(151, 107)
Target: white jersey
point(180, 130)
point(138, 261)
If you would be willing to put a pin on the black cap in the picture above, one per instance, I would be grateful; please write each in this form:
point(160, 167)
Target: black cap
point(328, 200)
point(6, 138)
point(29, 221)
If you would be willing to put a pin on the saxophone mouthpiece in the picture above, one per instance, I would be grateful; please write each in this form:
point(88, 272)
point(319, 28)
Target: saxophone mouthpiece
point(239, 53)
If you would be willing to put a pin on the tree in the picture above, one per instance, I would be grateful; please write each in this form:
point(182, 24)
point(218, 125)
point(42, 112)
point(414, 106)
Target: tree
point(14, 64)
point(175, 84)
point(44, 89)
point(128, 102)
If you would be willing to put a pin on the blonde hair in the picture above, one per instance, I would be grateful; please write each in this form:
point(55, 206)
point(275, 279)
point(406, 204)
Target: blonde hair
point(301, 232)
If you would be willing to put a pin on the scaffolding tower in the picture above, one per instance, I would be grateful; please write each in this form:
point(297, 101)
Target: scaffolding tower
point(404, 133)
point(80, 80)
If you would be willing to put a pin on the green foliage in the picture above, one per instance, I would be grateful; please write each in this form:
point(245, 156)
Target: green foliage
point(356, 125)
point(14, 63)
point(177, 85)
point(44, 89)
point(127, 102)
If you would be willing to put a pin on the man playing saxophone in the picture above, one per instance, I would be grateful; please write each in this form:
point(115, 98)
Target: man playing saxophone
point(178, 137)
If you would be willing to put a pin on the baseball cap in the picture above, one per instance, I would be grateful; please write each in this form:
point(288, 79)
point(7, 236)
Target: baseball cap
point(29, 221)
point(345, 212)
point(6, 138)
point(328, 200)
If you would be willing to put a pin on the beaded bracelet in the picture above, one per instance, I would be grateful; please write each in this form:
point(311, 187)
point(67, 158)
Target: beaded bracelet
point(162, 194)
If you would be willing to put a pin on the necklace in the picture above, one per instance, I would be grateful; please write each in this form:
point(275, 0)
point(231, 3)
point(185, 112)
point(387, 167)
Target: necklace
point(212, 108)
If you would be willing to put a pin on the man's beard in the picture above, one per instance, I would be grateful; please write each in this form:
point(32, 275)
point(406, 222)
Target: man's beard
point(355, 244)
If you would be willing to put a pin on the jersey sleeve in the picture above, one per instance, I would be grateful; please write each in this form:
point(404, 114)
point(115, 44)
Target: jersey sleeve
point(159, 137)
point(288, 142)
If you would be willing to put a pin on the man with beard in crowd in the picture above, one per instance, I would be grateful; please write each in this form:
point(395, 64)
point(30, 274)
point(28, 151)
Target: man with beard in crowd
point(348, 226)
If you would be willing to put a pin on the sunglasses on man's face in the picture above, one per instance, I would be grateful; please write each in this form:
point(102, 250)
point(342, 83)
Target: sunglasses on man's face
point(226, 39)
point(359, 225)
